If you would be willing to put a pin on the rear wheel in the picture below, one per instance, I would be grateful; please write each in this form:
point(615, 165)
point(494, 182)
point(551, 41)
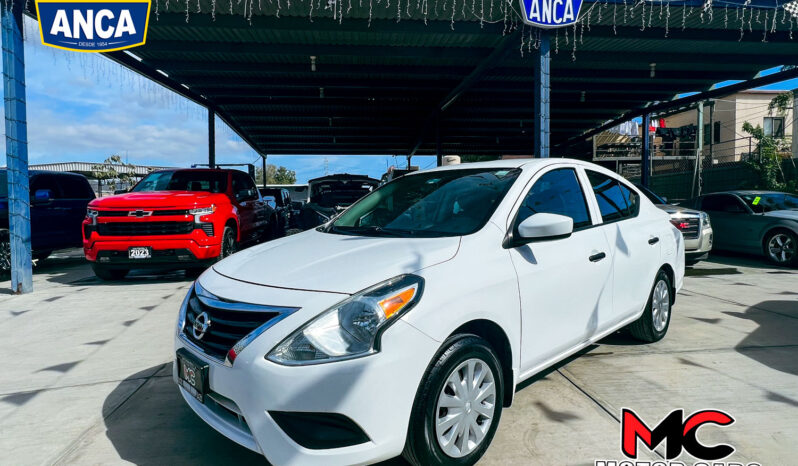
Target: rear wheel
point(781, 247)
point(458, 405)
point(105, 273)
point(653, 324)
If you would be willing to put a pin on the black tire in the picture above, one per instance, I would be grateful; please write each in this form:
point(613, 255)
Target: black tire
point(107, 274)
point(422, 446)
point(645, 328)
point(781, 247)
point(229, 244)
point(5, 253)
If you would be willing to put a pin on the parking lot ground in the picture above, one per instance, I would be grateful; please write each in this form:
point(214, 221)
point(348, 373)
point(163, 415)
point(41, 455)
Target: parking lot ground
point(86, 375)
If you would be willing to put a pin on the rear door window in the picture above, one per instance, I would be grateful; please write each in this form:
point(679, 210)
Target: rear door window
point(612, 200)
point(722, 203)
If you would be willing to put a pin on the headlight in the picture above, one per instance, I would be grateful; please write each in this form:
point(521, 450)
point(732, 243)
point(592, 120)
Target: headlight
point(200, 211)
point(705, 219)
point(352, 327)
point(203, 210)
point(92, 214)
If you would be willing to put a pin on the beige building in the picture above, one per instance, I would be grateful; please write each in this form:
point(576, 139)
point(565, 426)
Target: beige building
point(723, 122)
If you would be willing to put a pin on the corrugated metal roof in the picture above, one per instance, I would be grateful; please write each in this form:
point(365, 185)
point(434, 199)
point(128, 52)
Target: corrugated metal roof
point(377, 81)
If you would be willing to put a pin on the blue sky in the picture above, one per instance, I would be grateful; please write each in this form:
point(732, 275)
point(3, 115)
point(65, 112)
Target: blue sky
point(83, 107)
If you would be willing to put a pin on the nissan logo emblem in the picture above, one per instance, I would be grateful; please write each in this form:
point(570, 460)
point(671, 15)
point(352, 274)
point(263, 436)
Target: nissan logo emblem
point(201, 325)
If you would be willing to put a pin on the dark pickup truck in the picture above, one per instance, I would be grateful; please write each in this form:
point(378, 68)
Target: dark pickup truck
point(57, 208)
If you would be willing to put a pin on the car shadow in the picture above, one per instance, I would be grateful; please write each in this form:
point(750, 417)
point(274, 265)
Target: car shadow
point(735, 259)
point(758, 344)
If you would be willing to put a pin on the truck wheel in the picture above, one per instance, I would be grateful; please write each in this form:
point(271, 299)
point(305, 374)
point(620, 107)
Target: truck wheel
point(104, 273)
point(228, 243)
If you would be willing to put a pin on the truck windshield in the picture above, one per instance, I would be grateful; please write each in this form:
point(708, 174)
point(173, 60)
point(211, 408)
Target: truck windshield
point(184, 180)
point(432, 204)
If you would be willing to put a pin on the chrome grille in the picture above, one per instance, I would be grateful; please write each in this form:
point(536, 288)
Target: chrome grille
point(230, 321)
point(689, 226)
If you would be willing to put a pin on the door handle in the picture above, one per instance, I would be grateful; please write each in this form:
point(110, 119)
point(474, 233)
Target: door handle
point(597, 257)
point(653, 240)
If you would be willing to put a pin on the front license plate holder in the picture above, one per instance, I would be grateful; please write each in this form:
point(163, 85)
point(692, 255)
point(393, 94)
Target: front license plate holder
point(192, 374)
point(139, 252)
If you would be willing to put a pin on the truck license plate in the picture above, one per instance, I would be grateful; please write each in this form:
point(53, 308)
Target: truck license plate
point(139, 253)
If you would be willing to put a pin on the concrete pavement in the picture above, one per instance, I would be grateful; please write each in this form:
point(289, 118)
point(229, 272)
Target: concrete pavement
point(86, 375)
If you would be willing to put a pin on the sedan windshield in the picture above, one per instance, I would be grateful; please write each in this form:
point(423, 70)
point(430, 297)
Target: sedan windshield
point(431, 204)
point(184, 180)
point(768, 202)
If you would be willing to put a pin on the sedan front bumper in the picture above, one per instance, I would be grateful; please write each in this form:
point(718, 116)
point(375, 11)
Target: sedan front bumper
point(375, 392)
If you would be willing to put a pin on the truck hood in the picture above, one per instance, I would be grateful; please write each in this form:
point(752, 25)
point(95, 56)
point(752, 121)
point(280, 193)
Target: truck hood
point(316, 261)
point(158, 199)
point(788, 214)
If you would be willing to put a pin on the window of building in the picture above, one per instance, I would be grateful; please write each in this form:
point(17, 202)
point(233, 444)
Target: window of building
point(774, 126)
point(716, 133)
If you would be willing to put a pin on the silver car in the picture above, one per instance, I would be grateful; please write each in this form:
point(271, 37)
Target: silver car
point(754, 222)
point(694, 225)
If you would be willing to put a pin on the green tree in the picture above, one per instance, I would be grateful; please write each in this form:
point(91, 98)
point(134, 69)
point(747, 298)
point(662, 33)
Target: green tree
point(275, 175)
point(114, 172)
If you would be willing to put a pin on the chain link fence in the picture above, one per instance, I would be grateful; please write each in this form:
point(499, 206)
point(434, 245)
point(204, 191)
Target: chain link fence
point(678, 172)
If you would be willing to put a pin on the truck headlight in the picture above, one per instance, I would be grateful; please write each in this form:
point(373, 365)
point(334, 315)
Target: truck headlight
point(705, 220)
point(352, 327)
point(200, 211)
point(92, 215)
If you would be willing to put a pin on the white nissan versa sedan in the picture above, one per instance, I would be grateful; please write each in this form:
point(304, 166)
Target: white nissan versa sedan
point(403, 325)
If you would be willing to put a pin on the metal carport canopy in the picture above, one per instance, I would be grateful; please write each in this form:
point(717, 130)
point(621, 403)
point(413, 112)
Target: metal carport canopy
point(377, 85)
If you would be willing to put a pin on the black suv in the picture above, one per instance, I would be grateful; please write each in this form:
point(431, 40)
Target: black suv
point(58, 203)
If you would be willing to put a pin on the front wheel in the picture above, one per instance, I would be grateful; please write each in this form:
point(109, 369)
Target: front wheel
point(781, 247)
point(458, 405)
point(653, 324)
point(229, 245)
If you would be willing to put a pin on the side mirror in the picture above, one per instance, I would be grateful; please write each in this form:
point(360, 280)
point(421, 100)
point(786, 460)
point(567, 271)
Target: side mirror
point(42, 196)
point(664, 199)
point(541, 227)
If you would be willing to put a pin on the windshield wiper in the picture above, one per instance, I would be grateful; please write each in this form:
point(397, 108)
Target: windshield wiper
point(369, 231)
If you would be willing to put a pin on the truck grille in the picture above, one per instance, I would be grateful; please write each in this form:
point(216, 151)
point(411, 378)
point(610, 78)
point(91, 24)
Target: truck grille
point(144, 228)
point(145, 213)
point(229, 321)
point(689, 226)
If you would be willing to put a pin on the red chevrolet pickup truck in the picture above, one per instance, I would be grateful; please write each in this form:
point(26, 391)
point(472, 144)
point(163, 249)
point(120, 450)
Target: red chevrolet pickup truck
point(174, 219)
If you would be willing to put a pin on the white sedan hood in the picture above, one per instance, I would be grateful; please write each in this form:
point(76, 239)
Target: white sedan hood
point(788, 214)
point(316, 261)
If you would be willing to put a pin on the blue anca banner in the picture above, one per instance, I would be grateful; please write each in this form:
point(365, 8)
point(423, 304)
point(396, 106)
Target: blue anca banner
point(551, 13)
point(93, 25)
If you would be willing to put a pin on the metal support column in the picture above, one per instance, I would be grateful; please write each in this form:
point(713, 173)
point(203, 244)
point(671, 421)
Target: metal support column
point(263, 172)
point(542, 93)
point(16, 148)
point(438, 148)
point(695, 190)
point(211, 138)
point(645, 154)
